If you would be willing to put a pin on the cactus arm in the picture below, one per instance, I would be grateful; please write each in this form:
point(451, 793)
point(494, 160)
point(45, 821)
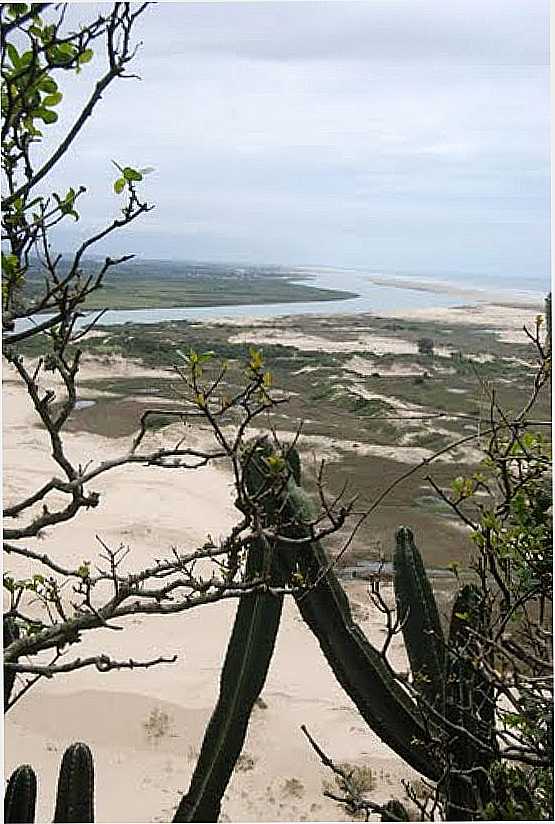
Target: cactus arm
point(422, 632)
point(244, 672)
point(357, 665)
point(11, 633)
point(21, 796)
point(75, 792)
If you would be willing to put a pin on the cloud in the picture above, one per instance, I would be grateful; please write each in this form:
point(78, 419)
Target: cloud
point(387, 132)
point(486, 32)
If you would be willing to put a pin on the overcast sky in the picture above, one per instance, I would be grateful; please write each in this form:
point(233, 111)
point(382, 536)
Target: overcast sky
point(394, 134)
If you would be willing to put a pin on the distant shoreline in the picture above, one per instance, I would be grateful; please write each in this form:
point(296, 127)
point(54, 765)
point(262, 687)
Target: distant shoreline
point(527, 301)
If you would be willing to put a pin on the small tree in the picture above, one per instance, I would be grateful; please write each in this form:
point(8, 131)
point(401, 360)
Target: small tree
point(42, 299)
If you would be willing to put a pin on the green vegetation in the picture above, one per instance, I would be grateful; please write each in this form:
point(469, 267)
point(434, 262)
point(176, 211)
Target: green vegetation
point(153, 284)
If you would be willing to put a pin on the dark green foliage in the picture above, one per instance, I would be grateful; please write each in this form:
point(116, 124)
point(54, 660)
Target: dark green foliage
point(75, 795)
point(11, 634)
point(422, 629)
point(21, 796)
point(425, 346)
point(244, 672)
point(394, 811)
point(519, 794)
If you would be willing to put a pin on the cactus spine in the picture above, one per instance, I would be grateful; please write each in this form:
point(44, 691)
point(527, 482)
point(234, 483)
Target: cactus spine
point(21, 796)
point(422, 632)
point(75, 794)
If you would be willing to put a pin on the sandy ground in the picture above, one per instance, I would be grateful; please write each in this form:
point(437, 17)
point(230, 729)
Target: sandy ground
point(379, 344)
point(504, 320)
point(139, 778)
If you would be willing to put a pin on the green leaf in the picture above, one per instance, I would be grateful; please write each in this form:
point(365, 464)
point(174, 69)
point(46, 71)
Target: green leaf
point(61, 53)
point(86, 56)
point(84, 570)
point(17, 9)
point(47, 115)
point(52, 99)
point(119, 185)
point(26, 59)
point(131, 174)
point(13, 55)
point(48, 85)
point(256, 359)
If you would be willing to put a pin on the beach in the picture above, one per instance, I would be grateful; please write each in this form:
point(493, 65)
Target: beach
point(145, 727)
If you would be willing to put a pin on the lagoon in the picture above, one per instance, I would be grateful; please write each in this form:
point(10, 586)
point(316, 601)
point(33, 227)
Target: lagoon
point(406, 293)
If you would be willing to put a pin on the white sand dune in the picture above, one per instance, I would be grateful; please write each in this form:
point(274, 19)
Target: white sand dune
point(140, 778)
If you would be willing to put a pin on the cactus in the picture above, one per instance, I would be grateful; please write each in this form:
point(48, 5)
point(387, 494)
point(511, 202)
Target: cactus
point(469, 613)
point(357, 665)
point(422, 632)
point(75, 794)
point(470, 705)
point(11, 634)
point(21, 796)
point(461, 694)
point(244, 672)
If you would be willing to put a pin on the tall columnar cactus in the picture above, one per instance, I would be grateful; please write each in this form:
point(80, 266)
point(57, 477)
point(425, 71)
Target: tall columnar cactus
point(370, 683)
point(475, 709)
point(417, 607)
point(246, 663)
point(470, 706)
point(244, 672)
point(21, 796)
point(75, 795)
point(357, 665)
point(11, 634)
point(453, 684)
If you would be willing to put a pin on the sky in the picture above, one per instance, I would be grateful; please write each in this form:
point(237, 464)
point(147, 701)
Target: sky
point(397, 135)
